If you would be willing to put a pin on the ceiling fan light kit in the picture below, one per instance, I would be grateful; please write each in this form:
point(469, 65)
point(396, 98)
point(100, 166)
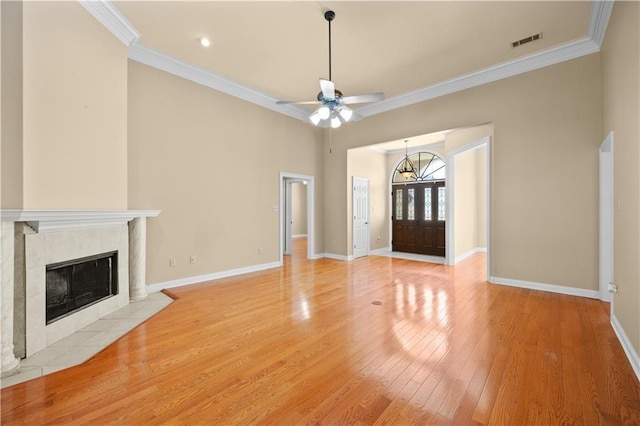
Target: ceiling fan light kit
point(333, 111)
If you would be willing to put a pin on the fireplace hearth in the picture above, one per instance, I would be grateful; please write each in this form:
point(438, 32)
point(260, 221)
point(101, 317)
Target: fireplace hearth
point(79, 283)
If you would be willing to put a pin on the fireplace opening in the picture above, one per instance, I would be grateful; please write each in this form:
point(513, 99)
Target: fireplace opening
point(76, 284)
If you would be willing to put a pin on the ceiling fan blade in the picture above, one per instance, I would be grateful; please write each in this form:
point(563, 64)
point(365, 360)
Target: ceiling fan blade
point(328, 89)
point(297, 102)
point(361, 99)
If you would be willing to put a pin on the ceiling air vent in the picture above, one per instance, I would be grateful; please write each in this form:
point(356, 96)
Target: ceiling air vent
point(527, 40)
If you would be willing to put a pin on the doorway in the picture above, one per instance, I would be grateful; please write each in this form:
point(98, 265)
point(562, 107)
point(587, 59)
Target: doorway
point(418, 205)
point(285, 209)
point(452, 155)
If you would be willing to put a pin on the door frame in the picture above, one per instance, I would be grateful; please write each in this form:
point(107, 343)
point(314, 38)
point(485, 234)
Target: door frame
point(353, 220)
point(606, 219)
point(288, 212)
point(282, 207)
point(450, 185)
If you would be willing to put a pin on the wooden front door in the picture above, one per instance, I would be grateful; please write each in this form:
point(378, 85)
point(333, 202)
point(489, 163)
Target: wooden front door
point(419, 218)
point(404, 219)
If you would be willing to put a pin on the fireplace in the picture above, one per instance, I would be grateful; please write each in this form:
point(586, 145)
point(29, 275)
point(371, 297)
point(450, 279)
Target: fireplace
point(77, 284)
point(37, 243)
point(55, 288)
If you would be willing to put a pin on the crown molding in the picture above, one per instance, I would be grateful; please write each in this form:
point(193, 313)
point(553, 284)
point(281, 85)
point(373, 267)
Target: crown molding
point(59, 220)
point(175, 66)
point(599, 19)
point(109, 16)
point(521, 65)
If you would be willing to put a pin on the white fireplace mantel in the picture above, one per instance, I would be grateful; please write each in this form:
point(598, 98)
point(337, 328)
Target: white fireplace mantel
point(58, 220)
point(25, 255)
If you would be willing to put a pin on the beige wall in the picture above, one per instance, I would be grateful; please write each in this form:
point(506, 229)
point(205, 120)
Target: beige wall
point(337, 189)
point(481, 197)
point(464, 136)
point(211, 163)
point(299, 208)
point(470, 216)
point(11, 106)
point(365, 163)
point(75, 110)
point(549, 117)
point(465, 220)
point(621, 109)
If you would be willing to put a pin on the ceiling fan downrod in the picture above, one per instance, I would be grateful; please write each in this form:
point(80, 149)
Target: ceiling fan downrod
point(329, 15)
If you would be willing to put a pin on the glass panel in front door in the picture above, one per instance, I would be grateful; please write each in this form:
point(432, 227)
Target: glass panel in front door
point(441, 203)
point(411, 205)
point(398, 204)
point(428, 216)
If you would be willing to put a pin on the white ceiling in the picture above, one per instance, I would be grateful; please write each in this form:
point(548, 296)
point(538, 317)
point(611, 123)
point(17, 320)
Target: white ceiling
point(264, 51)
point(281, 48)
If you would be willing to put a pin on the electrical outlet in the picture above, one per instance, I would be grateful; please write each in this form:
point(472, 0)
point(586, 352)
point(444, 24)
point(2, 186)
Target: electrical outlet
point(172, 262)
point(613, 288)
point(260, 250)
point(192, 259)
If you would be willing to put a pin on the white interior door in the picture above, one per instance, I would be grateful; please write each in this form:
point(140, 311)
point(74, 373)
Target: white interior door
point(360, 207)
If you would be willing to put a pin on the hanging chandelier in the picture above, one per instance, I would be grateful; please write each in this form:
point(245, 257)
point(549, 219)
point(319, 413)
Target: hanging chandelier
point(406, 168)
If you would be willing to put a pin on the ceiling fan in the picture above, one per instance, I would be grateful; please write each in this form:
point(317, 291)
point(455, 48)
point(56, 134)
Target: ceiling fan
point(333, 108)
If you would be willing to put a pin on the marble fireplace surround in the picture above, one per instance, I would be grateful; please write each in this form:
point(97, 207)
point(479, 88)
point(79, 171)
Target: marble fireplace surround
point(42, 237)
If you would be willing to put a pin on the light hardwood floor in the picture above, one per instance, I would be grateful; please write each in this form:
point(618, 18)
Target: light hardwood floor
point(306, 344)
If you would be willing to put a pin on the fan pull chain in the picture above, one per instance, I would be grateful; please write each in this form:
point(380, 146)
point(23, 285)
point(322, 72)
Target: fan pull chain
point(330, 140)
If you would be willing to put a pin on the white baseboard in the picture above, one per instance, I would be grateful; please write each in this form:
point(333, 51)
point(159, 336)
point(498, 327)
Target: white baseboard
point(469, 253)
point(331, 256)
point(298, 235)
point(552, 288)
point(152, 288)
point(382, 250)
point(631, 353)
point(338, 256)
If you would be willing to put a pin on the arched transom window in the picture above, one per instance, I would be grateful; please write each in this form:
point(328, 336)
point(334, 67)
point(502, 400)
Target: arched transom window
point(420, 167)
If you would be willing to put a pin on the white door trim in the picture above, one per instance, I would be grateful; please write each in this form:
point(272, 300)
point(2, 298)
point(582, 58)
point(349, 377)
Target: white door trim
point(606, 221)
point(311, 231)
point(288, 213)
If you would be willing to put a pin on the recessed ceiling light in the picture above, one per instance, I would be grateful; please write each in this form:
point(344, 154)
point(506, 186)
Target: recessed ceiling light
point(204, 41)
